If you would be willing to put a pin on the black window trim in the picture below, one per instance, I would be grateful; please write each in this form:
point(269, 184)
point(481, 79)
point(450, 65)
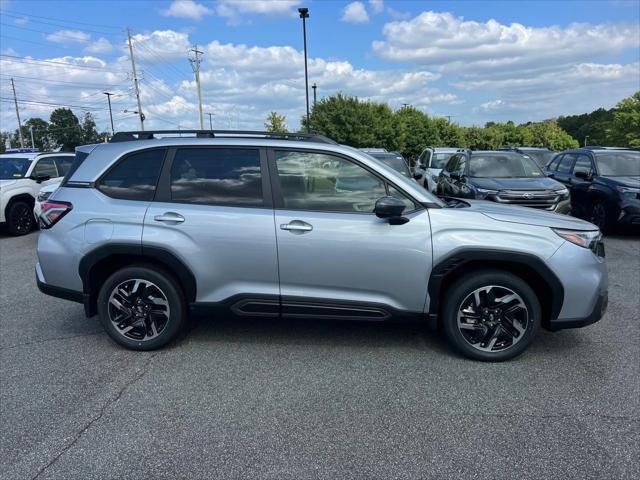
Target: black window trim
point(278, 200)
point(163, 189)
point(121, 159)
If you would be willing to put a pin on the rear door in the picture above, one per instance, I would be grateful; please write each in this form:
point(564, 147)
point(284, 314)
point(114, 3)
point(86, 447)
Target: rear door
point(579, 187)
point(213, 210)
point(46, 166)
point(336, 258)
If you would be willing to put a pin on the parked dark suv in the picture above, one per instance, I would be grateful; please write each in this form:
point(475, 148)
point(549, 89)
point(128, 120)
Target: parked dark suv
point(503, 177)
point(604, 184)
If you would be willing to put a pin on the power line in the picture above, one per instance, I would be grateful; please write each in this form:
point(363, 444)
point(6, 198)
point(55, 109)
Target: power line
point(6, 99)
point(13, 13)
point(48, 80)
point(195, 64)
point(61, 25)
point(52, 62)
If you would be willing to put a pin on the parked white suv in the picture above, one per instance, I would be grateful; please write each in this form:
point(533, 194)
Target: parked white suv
point(22, 175)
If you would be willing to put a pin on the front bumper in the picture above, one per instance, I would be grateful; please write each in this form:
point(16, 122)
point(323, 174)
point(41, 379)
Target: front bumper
point(563, 206)
point(630, 213)
point(596, 314)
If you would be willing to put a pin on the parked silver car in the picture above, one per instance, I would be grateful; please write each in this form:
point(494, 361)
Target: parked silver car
point(145, 229)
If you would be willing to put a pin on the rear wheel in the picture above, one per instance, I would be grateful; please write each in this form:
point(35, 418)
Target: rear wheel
point(20, 219)
point(141, 308)
point(491, 316)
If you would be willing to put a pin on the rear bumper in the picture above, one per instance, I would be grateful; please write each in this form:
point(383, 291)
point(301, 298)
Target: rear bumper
point(596, 314)
point(60, 292)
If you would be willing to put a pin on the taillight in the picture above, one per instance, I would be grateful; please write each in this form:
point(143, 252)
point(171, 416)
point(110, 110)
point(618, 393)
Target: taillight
point(52, 212)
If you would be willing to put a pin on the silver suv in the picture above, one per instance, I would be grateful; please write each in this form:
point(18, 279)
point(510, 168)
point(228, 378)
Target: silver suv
point(148, 227)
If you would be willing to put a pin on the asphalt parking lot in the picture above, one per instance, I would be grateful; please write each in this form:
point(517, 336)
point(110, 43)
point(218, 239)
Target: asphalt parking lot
point(296, 400)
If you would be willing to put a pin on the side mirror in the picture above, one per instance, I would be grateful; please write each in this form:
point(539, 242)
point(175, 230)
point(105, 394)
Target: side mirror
point(417, 175)
point(422, 166)
point(455, 175)
point(391, 208)
point(40, 178)
point(583, 175)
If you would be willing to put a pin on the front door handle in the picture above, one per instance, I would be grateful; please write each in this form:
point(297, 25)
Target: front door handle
point(296, 226)
point(169, 217)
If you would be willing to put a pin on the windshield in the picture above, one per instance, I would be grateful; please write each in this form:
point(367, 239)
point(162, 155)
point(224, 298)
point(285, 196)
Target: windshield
point(503, 166)
point(619, 164)
point(541, 158)
point(439, 160)
point(394, 161)
point(13, 167)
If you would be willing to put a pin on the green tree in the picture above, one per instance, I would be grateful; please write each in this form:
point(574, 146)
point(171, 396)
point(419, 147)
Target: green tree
point(276, 123)
point(89, 131)
point(414, 132)
point(449, 134)
point(40, 134)
point(625, 127)
point(351, 121)
point(65, 130)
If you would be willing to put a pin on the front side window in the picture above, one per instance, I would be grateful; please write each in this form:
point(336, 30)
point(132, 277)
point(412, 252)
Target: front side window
point(45, 166)
point(321, 182)
point(12, 168)
point(439, 160)
point(505, 165)
point(135, 177)
point(583, 164)
point(217, 176)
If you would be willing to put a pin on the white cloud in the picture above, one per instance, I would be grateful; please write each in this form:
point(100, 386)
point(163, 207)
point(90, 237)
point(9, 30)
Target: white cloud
point(492, 105)
point(161, 46)
point(186, 9)
point(355, 13)
point(377, 6)
point(21, 21)
point(445, 40)
point(102, 45)
point(398, 15)
point(69, 36)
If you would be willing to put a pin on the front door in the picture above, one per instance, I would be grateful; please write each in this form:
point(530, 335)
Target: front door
point(336, 258)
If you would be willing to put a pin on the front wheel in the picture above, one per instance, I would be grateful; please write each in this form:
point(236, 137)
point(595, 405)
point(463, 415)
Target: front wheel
point(20, 219)
point(600, 216)
point(491, 316)
point(141, 307)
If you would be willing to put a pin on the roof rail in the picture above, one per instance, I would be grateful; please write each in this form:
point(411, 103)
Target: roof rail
point(151, 134)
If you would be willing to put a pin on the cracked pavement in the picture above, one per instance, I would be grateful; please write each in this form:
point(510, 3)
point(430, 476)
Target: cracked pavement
point(275, 399)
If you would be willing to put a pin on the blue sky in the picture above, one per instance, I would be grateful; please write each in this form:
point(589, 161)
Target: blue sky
point(475, 61)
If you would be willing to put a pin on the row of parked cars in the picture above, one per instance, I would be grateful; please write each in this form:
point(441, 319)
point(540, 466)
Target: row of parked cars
point(599, 184)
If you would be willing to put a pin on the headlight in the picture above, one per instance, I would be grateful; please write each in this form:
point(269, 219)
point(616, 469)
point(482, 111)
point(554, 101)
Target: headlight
point(42, 196)
point(585, 239)
point(434, 178)
point(564, 193)
point(484, 193)
point(629, 191)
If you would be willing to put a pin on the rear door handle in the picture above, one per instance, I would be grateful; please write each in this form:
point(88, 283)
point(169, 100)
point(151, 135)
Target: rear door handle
point(296, 226)
point(169, 217)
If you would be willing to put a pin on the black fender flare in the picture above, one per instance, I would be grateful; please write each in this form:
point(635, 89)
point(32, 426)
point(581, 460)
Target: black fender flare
point(458, 258)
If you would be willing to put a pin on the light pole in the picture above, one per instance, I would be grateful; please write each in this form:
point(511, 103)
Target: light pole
point(304, 14)
point(210, 122)
point(314, 86)
point(110, 114)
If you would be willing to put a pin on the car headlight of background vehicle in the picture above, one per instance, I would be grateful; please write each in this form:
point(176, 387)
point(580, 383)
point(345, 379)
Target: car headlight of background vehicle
point(434, 178)
point(630, 192)
point(564, 193)
point(484, 193)
point(42, 196)
point(586, 239)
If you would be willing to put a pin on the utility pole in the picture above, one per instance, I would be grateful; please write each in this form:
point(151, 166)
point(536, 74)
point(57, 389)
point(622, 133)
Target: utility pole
point(304, 14)
point(135, 80)
point(15, 100)
point(110, 114)
point(195, 65)
point(210, 122)
point(314, 86)
point(33, 144)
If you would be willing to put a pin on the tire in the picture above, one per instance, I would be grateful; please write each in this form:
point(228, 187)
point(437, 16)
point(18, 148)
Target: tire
point(20, 219)
point(601, 216)
point(153, 310)
point(488, 333)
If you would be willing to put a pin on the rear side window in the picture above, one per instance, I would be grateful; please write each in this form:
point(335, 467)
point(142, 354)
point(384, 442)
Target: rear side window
point(217, 176)
point(135, 177)
point(63, 164)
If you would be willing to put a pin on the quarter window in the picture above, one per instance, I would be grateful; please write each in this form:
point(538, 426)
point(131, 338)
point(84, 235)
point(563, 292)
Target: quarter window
point(135, 177)
point(217, 176)
point(321, 182)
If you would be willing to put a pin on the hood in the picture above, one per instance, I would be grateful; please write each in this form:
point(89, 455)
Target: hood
point(533, 183)
point(6, 183)
point(630, 181)
point(528, 216)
